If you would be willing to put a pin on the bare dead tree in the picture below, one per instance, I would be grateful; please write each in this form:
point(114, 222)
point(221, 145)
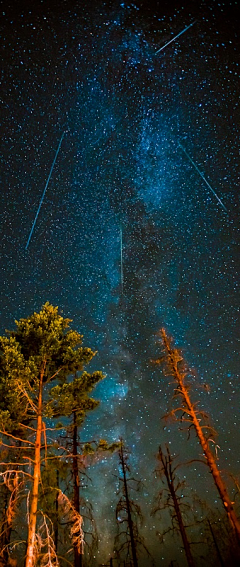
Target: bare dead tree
point(188, 412)
point(128, 515)
point(218, 551)
point(170, 498)
point(216, 534)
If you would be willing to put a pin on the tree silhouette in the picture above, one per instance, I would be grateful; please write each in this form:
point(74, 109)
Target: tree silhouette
point(128, 540)
point(170, 498)
point(216, 535)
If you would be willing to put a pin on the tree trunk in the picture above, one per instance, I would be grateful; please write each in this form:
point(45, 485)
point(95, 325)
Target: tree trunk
point(30, 560)
point(216, 545)
point(78, 555)
point(179, 377)
point(57, 519)
point(166, 462)
point(130, 523)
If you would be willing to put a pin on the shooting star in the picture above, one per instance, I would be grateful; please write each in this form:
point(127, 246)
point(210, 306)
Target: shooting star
point(44, 191)
point(121, 257)
point(202, 176)
point(175, 37)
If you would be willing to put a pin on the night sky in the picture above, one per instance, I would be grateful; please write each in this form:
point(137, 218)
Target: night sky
point(135, 122)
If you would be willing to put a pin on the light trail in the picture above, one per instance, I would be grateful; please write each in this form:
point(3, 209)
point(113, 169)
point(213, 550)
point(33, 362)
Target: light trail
point(204, 178)
point(175, 37)
point(44, 191)
point(121, 257)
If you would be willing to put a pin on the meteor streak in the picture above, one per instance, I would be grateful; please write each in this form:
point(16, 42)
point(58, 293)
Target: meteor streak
point(175, 37)
point(121, 256)
point(202, 176)
point(44, 191)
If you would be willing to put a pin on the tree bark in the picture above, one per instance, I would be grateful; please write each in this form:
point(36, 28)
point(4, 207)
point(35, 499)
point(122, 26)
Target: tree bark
point(219, 483)
point(78, 556)
point(166, 462)
point(216, 545)
point(29, 562)
point(57, 518)
point(130, 523)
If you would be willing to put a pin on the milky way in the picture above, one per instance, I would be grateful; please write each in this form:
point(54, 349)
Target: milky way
point(128, 237)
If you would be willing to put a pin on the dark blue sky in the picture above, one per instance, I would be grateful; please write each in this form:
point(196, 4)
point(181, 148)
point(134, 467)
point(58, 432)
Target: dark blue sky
point(94, 72)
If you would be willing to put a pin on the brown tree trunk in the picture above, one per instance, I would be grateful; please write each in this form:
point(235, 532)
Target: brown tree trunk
point(29, 562)
point(130, 523)
point(179, 377)
point(57, 518)
point(216, 545)
point(78, 555)
point(167, 467)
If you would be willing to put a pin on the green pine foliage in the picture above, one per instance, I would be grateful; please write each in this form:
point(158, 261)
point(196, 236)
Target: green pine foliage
point(44, 338)
point(42, 372)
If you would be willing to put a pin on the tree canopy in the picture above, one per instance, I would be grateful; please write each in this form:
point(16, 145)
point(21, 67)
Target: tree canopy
point(42, 378)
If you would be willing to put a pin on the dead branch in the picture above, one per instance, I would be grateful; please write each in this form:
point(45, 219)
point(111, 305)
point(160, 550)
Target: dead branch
point(16, 438)
point(75, 519)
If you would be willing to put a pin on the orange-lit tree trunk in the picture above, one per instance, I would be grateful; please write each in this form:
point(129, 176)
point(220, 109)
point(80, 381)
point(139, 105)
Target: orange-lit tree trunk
point(78, 554)
point(57, 513)
point(176, 367)
point(43, 350)
point(30, 561)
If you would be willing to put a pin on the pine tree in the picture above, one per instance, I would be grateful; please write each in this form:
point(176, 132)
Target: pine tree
point(41, 352)
point(188, 412)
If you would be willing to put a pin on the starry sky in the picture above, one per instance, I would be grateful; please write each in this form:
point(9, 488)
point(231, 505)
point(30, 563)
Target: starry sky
point(148, 160)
